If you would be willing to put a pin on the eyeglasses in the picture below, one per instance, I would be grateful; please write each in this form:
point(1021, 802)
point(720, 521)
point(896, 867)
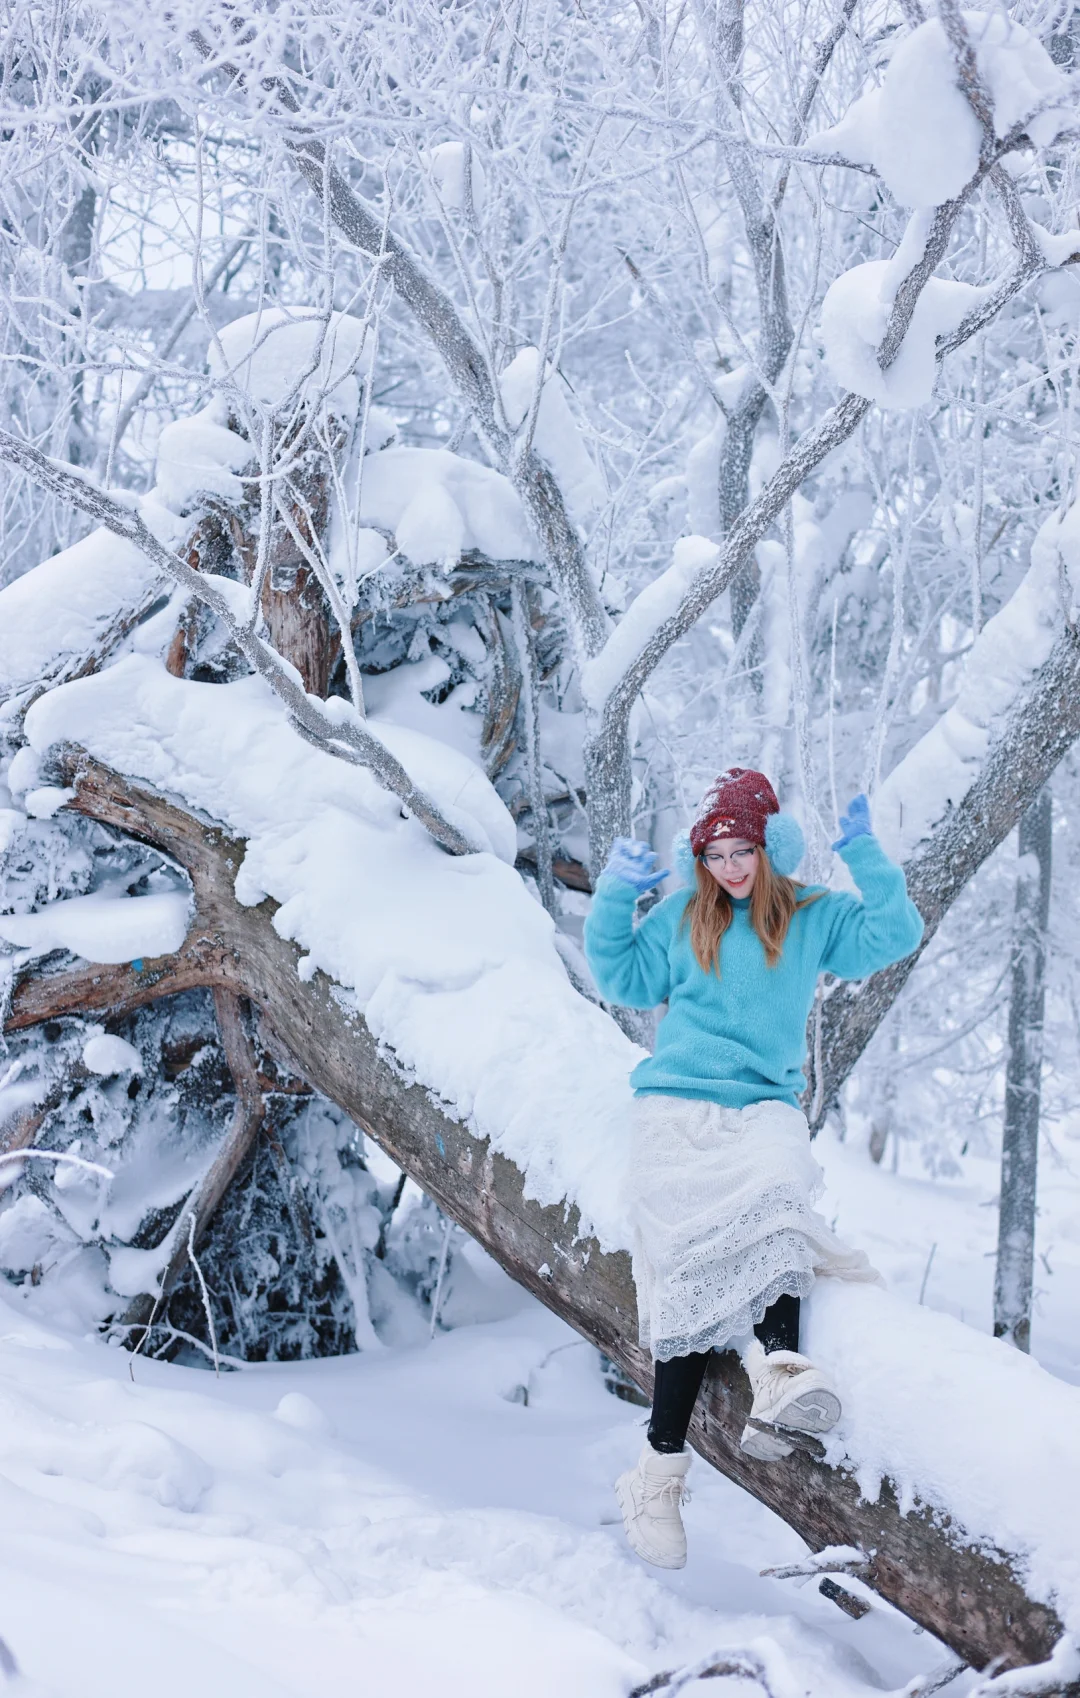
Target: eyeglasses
point(738, 859)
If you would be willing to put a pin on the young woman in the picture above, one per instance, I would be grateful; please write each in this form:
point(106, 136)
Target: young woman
point(721, 1179)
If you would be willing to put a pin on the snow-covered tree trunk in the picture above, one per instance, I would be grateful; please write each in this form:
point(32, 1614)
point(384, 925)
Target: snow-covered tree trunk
point(1023, 1079)
point(971, 1596)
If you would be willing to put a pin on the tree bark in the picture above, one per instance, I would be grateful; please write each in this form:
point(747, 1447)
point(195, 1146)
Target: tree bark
point(972, 1598)
point(1023, 1079)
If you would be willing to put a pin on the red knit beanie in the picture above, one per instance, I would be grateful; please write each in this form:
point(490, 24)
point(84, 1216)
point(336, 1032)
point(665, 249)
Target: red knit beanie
point(737, 804)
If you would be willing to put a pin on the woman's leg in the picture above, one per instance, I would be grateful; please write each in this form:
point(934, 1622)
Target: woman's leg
point(778, 1328)
point(650, 1493)
point(675, 1388)
point(788, 1390)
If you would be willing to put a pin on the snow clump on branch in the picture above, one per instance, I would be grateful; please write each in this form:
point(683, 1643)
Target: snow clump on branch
point(557, 438)
point(102, 928)
point(854, 316)
point(918, 129)
point(457, 173)
point(199, 456)
point(657, 602)
point(440, 505)
point(277, 357)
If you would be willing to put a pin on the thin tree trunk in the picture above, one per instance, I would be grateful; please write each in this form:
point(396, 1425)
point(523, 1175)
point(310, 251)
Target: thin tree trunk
point(530, 703)
point(1023, 1079)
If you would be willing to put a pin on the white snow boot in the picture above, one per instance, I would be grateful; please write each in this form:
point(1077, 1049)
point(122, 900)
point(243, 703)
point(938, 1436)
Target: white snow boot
point(649, 1496)
point(788, 1392)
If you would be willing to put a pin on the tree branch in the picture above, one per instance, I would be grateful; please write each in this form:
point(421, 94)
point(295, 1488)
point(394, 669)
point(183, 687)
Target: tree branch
point(1033, 741)
point(243, 1129)
point(464, 360)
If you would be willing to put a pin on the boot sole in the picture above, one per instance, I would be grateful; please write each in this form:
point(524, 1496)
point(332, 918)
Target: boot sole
point(811, 1412)
point(763, 1447)
point(633, 1538)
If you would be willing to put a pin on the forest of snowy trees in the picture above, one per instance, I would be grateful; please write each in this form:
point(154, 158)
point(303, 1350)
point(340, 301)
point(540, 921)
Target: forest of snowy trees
point(434, 439)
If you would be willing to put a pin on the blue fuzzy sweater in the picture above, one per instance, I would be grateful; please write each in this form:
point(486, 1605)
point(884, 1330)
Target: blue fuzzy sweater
point(741, 1038)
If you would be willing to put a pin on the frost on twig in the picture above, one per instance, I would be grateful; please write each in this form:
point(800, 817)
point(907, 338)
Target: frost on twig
point(934, 1680)
point(207, 1309)
point(834, 1559)
point(741, 1666)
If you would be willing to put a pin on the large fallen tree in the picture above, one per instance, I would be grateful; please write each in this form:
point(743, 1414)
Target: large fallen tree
point(971, 1597)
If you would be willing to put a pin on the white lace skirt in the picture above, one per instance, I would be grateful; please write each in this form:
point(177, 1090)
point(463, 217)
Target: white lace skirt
point(721, 1205)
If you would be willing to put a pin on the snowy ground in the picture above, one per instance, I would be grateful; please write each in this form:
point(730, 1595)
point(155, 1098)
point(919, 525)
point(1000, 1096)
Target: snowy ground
point(944, 1232)
point(429, 1520)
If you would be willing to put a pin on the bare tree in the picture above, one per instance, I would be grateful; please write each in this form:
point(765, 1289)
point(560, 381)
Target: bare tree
point(1023, 1078)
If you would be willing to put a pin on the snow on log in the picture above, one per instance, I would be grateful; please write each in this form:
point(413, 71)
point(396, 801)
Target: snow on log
point(445, 1053)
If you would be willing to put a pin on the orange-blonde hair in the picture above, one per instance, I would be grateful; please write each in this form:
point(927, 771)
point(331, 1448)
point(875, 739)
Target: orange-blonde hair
point(773, 900)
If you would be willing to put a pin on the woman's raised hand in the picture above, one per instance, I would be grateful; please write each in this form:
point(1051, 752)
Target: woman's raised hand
point(635, 864)
point(854, 821)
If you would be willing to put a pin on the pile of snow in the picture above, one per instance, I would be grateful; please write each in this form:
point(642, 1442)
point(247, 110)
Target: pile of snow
point(103, 928)
point(279, 356)
point(556, 438)
point(854, 315)
point(439, 505)
point(200, 456)
point(1000, 665)
point(450, 959)
point(60, 610)
point(417, 1521)
point(918, 128)
point(397, 698)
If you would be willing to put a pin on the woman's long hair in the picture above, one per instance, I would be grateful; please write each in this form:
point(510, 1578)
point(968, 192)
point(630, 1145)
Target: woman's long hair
point(773, 901)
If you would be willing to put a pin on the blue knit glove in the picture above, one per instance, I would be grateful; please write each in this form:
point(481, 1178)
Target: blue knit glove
point(855, 822)
point(635, 864)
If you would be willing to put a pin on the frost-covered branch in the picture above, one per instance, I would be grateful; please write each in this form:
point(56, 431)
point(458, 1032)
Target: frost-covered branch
point(129, 407)
point(716, 1666)
point(615, 690)
point(459, 351)
point(834, 1559)
point(333, 726)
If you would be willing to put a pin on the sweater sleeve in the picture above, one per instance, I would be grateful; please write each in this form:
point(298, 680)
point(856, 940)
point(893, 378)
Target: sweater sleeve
point(629, 964)
point(864, 936)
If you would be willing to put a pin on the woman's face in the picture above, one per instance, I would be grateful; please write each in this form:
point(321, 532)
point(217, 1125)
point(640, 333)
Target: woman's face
point(733, 863)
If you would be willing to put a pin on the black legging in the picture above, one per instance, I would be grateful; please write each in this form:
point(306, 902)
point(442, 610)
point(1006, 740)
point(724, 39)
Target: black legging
point(677, 1383)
